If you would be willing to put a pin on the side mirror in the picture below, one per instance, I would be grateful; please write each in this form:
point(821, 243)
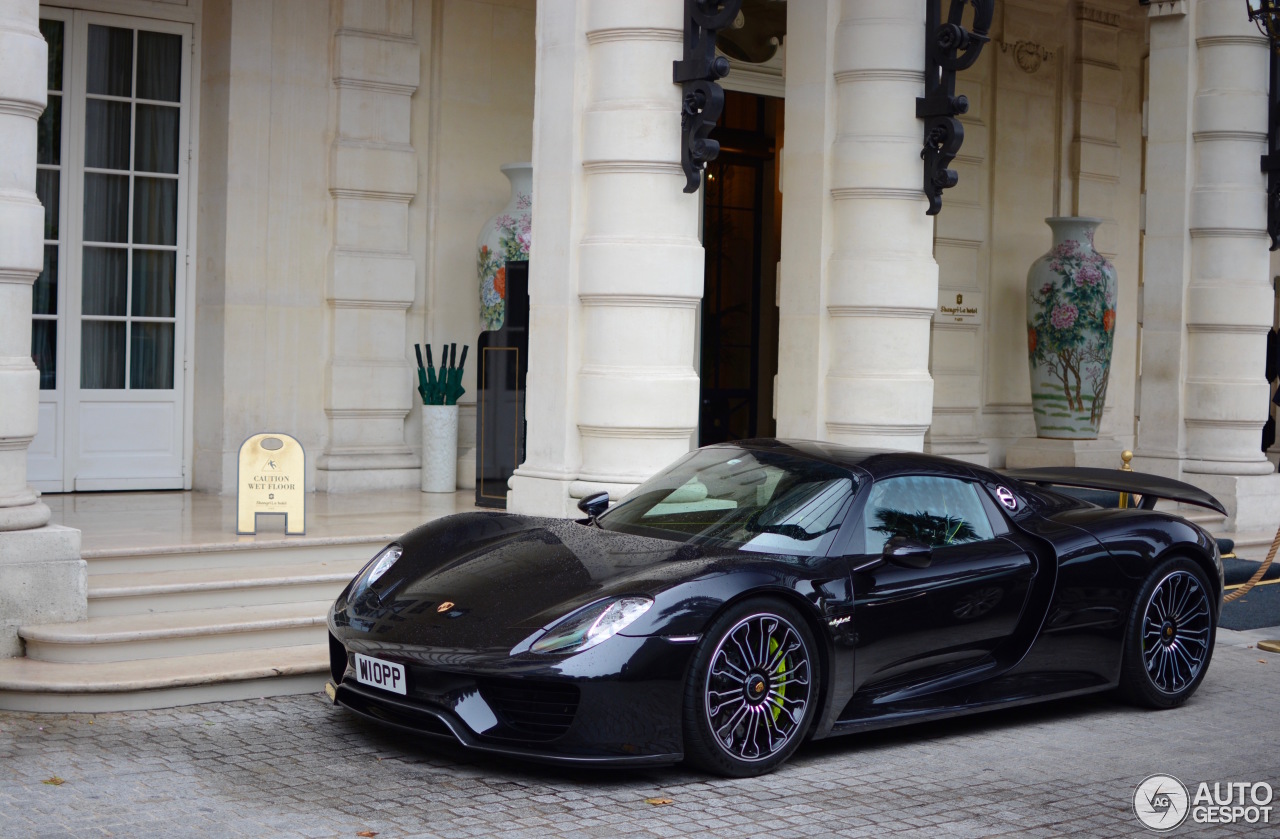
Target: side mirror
point(594, 504)
point(908, 552)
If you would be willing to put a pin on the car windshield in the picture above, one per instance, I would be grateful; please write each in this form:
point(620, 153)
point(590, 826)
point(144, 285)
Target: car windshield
point(768, 502)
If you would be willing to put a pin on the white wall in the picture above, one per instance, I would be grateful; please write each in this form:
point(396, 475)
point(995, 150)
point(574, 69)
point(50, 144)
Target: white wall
point(265, 228)
point(265, 212)
point(476, 105)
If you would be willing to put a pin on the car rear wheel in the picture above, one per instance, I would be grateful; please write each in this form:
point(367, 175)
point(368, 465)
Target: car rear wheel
point(752, 690)
point(1170, 636)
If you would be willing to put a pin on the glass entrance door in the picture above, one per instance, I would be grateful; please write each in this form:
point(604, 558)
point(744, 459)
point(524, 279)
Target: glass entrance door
point(742, 241)
point(109, 338)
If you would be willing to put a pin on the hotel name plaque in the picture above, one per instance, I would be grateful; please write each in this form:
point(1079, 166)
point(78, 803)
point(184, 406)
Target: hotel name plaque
point(965, 309)
point(271, 480)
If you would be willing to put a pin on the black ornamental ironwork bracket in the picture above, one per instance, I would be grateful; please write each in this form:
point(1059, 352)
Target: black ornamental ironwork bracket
point(949, 48)
point(697, 73)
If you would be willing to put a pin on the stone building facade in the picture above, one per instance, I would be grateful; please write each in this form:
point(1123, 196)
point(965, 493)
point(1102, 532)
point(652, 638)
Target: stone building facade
point(298, 202)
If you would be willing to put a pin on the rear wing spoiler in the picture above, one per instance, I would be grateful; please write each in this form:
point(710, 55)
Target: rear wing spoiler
point(1150, 487)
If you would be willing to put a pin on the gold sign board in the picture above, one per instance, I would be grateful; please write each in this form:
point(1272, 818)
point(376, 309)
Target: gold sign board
point(967, 308)
point(271, 480)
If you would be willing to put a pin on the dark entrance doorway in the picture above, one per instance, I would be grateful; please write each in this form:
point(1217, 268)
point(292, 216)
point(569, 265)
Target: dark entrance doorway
point(742, 237)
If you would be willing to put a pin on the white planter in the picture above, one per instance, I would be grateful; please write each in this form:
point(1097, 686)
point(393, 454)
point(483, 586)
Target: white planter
point(439, 448)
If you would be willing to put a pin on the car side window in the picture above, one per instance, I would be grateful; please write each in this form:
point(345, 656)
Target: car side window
point(924, 508)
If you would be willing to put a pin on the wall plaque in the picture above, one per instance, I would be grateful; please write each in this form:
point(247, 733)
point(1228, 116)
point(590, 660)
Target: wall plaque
point(959, 307)
point(271, 480)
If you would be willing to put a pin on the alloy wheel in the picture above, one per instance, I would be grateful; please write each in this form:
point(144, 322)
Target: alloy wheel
point(1176, 631)
point(758, 687)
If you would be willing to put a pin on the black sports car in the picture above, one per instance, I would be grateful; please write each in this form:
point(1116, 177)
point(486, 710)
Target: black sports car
point(756, 594)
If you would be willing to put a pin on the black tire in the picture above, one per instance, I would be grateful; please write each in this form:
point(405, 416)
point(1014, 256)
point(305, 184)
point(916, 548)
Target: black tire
point(1170, 636)
point(752, 690)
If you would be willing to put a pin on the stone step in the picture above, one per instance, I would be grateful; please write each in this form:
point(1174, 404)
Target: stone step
point(1252, 545)
point(145, 592)
point(54, 687)
point(272, 553)
point(158, 635)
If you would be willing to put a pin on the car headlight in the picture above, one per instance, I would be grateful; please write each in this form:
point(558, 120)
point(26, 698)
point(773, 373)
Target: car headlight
point(378, 566)
point(587, 627)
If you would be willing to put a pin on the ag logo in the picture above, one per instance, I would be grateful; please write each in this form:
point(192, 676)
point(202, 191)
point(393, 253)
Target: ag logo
point(1161, 803)
point(1007, 498)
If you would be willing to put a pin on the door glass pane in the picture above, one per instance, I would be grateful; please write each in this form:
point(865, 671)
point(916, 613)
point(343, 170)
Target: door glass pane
point(44, 351)
point(157, 139)
point(44, 295)
point(106, 134)
point(105, 281)
point(155, 211)
point(934, 511)
point(153, 283)
point(102, 354)
point(49, 133)
point(151, 357)
point(106, 208)
point(47, 192)
point(110, 65)
point(53, 30)
point(159, 66)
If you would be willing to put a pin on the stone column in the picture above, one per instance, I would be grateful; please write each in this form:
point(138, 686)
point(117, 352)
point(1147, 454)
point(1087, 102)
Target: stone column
point(1166, 246)
point(1229, 298)
point(617, 269)
point(1221, 115)
point(373, 177)
point(807, 233)
point(42, 577)
point(862, 372)
point(962, 251)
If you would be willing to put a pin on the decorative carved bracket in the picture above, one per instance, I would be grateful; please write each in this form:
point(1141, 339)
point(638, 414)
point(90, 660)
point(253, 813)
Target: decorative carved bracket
point(949, 48)
point(1028, 55)
point(697, 74)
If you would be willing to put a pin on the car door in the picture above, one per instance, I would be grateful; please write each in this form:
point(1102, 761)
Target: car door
point(915, 624)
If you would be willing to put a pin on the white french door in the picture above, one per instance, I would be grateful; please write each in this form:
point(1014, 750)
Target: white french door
point(109, 325)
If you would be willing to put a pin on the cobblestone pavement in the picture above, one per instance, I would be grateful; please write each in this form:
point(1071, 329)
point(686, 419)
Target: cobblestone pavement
point(297, 767)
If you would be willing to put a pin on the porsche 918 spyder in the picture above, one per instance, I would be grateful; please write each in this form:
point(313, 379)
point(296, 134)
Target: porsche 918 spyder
point(757, 594)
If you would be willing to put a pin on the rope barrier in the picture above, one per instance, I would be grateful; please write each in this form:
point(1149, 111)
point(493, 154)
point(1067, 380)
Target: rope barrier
point(1257, 575)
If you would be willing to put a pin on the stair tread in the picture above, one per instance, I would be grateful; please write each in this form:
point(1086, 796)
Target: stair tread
point(136, 583)
point(29, 675)
point(260, 544)
point(154, 625)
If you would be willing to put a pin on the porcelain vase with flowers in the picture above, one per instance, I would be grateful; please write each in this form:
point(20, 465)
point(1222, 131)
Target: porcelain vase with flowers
point(1071, 322)
point(504, 238)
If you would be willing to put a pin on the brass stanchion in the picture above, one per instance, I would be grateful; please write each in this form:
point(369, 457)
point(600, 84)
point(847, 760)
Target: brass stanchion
point(1125, 456)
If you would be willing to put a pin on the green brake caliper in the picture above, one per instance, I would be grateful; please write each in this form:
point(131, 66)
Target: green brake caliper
point(782, 682)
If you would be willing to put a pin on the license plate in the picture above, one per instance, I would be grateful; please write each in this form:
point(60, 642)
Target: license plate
point(380, 674)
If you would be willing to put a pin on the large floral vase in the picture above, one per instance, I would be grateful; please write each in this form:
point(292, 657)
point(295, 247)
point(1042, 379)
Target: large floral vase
point(504, 238)
point(1071, 323)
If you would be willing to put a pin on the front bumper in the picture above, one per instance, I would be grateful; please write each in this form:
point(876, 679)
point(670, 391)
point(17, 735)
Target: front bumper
point(617, 703)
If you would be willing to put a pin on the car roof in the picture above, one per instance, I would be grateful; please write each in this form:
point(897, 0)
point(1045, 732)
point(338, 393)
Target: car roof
point(879, 463)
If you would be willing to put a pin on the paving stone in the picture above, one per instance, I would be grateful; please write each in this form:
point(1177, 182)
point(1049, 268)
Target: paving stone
point(297, 767)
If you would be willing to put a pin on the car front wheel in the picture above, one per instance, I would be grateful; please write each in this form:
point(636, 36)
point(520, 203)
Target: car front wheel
point(752, 690)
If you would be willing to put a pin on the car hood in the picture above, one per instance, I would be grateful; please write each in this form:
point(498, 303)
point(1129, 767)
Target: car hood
point(487, 581)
